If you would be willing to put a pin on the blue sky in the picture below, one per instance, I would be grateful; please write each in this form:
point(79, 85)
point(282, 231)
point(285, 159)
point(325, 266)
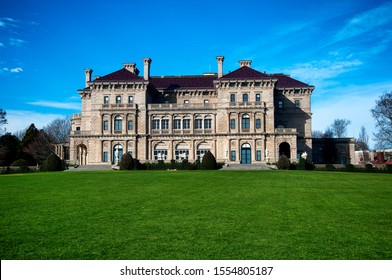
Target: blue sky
point(343, 48)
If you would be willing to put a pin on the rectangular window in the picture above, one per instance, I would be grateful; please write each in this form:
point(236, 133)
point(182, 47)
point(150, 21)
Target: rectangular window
point(105, 125)
point(258, 97)
point(232, 123)
point(156, 124)
point(258, 155)
point(280, 104)
point(232, 97)
point(258, 123)
point(186, 101)
point(118, 99)
point(297, 104)
point(245, 122)
point(160, 154)
point(165, 124)
point(118, 124)
point(200, 153)
point(177, 124)
point(245, 97)
point(232, 156)
point(206, 101)
point(207, 124)
point(182, 154)
point(198, 124)
point(130, 99)
point(186, 124)
point(106, 100)
point(130, 125)
point(105, 157)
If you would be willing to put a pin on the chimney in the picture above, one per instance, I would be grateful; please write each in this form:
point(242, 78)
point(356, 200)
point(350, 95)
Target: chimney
point(147, 61)
point(220, 60)
point(245, 63)
point(88, 73)
point(131, 67)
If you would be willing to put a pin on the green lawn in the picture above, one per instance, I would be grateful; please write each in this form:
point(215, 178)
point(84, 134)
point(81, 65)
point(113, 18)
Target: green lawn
point(196, 215)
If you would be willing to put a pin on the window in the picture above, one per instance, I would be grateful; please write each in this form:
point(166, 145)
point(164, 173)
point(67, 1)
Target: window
point(198, 124)
point(130, 125)
point(105, 125)
point(297, 104)
point(258, 155)
point(165, 124)
point(245, 97)
point(186, 124)
point(118, 123)
point(258, 97)
point(182, 154)
point(207, 124)
point(156, 124)
point(280, 104)
point(245, 122)
point(160, 154)
point(177, 124)
point(118, 99)
point(200, 153)
point(232, 123)
point(258, 123)
point(130, 99)
point(106, 100)
point(105, 157)
point(206, 101)
point(232, 97)
point(186, 101)
point(232, 156)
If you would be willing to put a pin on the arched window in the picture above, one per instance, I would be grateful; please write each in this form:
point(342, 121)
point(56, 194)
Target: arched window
point(118, 123)
point(245, 121)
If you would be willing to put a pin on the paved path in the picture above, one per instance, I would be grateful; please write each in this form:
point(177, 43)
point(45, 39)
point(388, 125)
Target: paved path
point(259, 166)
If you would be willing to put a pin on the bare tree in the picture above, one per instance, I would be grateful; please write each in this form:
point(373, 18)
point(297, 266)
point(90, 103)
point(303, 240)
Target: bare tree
point(58, 130)
point(317, 134)
point(3, 121)
point(339, 127)
point(362, 142)
point(382, 113)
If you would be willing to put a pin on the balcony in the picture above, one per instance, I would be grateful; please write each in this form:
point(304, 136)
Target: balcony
point(118, 106)
point(247, 105)
point(286, 130)
point(184, 106)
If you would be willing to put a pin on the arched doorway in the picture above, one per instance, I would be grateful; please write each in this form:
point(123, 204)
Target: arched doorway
point(117, 153)
point(81, 154)
point(246, 153)
point(284, 149)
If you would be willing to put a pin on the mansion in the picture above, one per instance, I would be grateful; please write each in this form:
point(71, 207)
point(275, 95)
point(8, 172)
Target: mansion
point(241, 117)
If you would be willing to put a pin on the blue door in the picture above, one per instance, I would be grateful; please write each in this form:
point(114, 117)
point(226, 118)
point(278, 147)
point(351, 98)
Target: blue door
point(246, 156)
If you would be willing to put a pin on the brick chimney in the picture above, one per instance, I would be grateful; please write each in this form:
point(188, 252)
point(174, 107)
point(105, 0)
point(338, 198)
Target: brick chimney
point(88, 73)
point(220, 60)
point(147, 61)
point(245, 63)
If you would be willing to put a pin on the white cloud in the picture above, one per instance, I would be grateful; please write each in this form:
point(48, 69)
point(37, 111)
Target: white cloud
point(57, 105)
point(365, 22)
point(16, 70)
point(17, 42)
point(11, 70)
point(5, 22)
point(19, 120)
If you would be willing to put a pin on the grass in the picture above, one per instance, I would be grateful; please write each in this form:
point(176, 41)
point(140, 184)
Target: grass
point(196, 215)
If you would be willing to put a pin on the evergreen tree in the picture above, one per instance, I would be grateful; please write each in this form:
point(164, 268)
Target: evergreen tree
point(208, 162)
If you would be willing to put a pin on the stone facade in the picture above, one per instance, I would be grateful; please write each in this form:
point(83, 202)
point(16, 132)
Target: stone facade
point(244, 116)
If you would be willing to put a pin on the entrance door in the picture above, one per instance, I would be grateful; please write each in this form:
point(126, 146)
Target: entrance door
point(246, 154)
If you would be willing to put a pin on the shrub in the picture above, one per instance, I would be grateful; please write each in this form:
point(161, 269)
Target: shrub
point(369, 167)
point(53, 163)
point(127, 162)
point(350, 167)
point(139, 165)
point(388, 168)
point(208, 162)
point(20, 162)
point(283, 162)
point(330, 167)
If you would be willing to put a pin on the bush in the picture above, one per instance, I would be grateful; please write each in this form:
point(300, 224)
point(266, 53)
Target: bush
point(388, 168)
point(208, 162)
point(283, 163)
point(53, 163)
point(127, 162)
point(330, 167)
point(369, 167)
point(20, 162)
point(350, 167)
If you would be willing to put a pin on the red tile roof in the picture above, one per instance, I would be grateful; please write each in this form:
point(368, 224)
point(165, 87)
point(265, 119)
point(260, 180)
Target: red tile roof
point(183, 82)
point(285, 81)
point(120, 75)
point(246, 73)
